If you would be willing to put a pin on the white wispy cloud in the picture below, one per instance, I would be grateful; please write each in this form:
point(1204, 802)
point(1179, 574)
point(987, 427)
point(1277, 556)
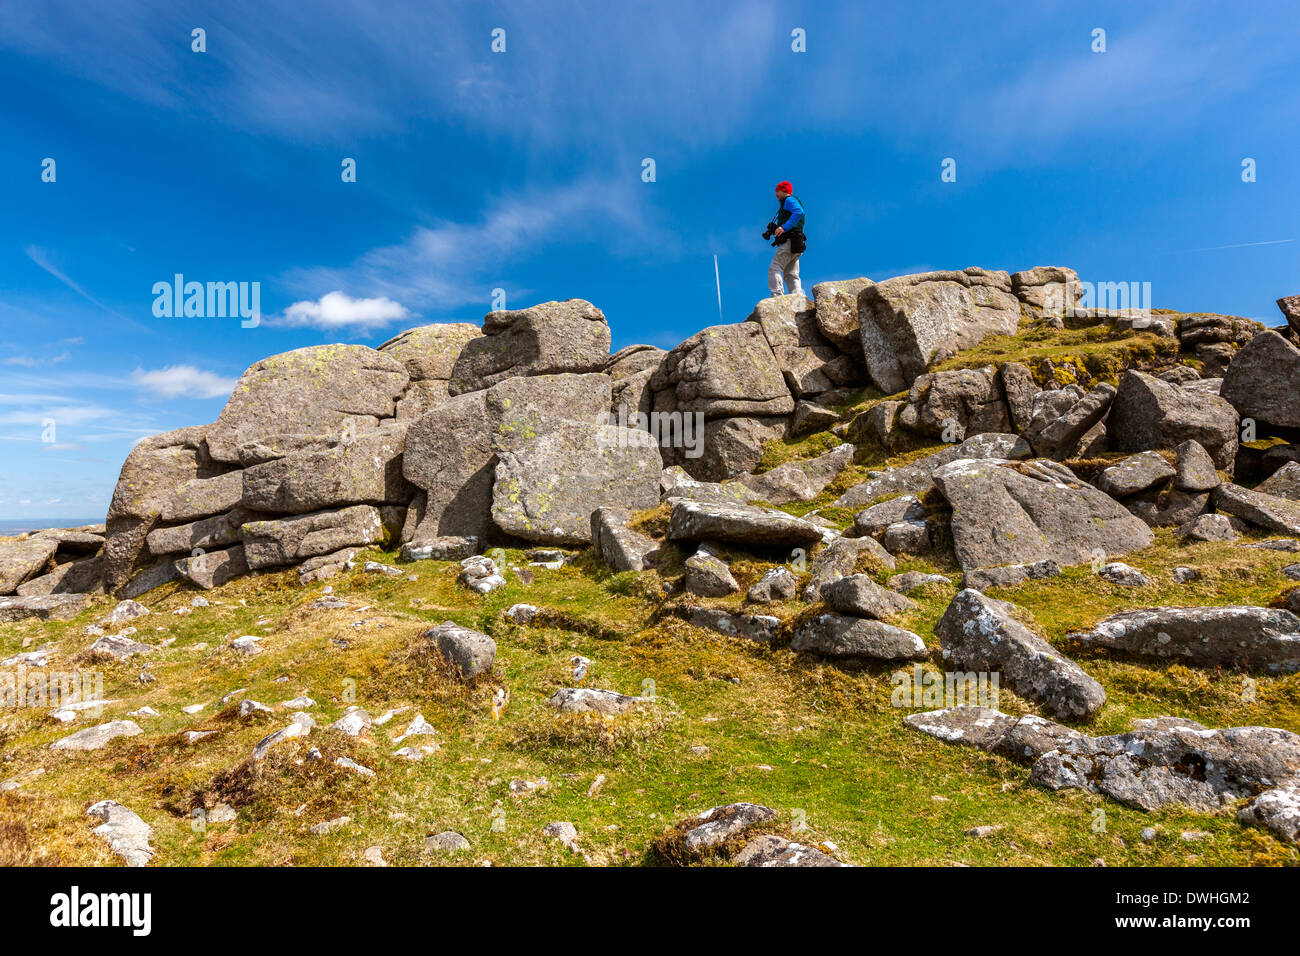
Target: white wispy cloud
point(32, 361)
point(183, 381)
point(449, 265)
point(338, 310)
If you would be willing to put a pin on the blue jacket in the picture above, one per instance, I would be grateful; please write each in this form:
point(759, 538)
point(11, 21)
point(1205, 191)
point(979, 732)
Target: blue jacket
point(793, 214)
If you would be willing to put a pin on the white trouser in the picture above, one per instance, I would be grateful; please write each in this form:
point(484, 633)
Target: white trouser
point(785, 265)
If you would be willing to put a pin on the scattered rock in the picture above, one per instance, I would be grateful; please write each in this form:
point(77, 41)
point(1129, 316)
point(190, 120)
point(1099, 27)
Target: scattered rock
point(842, 557)
point(1117, 572)
point(1283, 483)
point(859, 595)
point(587, 700)
point(718, 825)
point(444, 548)
point(874, 520)
point(841, 636)
point(1007, 576)
point(621, 548)
point(777, 584)
point(800, 480)
point(327, 826)
point(448, 841)
point(770, 850)
point(300, 726)
point(480, 574)
point(1154, 768)
point(910, 581)
point(96, 738)
point(42, 607)
point(978, 633)
point(1266, 639)
point(124, 831)
point(472, 652)
point(755, 627)
point(354, 722)
point(1194, 470)
point(1137, 473)
point(565, 833)
point(1001, 516)
point(708, 576)
point(1023, 739)
point(1277, 810)
point(742, 524)
point(1210, 527)
point(1267, 511)
point(1149, 414)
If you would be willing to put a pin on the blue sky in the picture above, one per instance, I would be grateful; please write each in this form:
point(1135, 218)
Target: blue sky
point(522, 170)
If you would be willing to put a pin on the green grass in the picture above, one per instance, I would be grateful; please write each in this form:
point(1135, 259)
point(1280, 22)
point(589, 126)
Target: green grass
point(817, 742)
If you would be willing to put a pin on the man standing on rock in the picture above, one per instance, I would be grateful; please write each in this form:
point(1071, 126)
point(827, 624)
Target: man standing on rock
point(787, 227)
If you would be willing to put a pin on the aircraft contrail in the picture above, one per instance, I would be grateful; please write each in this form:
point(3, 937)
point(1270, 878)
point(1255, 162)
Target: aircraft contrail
point(1242, 245)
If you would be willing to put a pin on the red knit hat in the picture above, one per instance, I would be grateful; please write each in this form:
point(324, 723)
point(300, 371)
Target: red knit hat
point(785, 187)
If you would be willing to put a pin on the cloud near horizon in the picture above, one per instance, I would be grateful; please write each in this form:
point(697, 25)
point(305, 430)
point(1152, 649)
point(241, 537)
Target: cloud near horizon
point(183, 381)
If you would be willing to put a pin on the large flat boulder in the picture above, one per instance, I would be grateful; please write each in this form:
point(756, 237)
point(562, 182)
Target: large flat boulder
point(721, 371)
point(978, 633)
point(203, 498)
point(1283, 483)
point(1001, 515)
point(1173, 763)
point(1148, 414)
point(321, 390)
point(547, 487)
point(205, 534)
point(23, 559)
point(545, 339)
point(1254, 638)
point(365, 469)
point(1263, 381)
point(909, 321)
point(1023, 739)
point(74, 577)
point(742, 524)
point(42, 607)
point(857, 638)
point(279, 542)
point(451, 451)
point(1271, 512)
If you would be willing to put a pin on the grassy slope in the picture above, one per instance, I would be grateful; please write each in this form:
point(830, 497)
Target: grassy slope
point(815, 741)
